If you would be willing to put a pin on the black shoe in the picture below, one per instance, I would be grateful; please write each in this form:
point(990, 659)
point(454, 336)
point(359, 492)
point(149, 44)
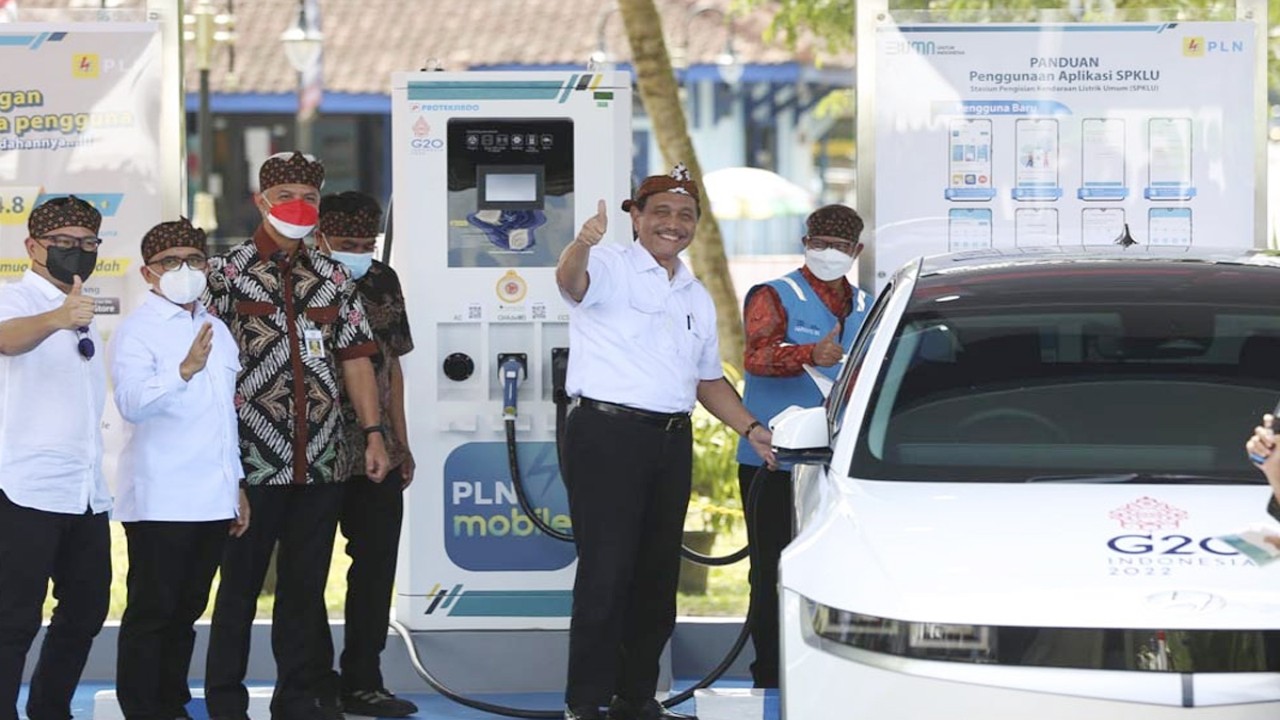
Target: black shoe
point(651, 709)
point(379, 703)
point(328, 708)
point(582, 714)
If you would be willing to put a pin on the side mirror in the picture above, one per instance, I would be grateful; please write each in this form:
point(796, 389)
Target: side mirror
point(801, 436)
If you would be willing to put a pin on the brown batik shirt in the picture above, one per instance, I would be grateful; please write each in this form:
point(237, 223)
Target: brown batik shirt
point(287, 395)
point(380, 293)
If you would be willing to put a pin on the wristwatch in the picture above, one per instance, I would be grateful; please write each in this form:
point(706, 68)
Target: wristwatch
point(375, 429)
point(754, 424)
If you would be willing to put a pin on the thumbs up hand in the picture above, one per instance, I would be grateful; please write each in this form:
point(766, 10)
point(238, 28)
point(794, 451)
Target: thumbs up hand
point(828, 352)
point(594, 228)
point(77, 309)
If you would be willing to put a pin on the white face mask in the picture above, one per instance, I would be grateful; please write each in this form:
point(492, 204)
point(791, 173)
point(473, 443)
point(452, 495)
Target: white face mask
point(183, 285)
point(829, 264)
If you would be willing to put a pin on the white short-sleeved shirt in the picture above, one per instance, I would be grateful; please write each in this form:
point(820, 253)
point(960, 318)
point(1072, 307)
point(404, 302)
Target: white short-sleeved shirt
point(639, 338)
point(181, 462)
point(51, 403)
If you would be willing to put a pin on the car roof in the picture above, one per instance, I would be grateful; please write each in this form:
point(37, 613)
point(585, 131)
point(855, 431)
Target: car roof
point(1241, 276)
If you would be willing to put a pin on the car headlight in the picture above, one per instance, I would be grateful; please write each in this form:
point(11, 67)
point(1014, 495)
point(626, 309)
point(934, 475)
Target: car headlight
point(922, 640)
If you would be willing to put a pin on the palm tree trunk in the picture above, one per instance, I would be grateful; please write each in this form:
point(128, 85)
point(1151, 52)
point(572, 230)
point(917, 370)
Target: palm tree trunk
point(661, 97)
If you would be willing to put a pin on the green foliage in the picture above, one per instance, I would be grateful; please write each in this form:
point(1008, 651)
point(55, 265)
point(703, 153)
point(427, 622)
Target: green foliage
point(714, 503)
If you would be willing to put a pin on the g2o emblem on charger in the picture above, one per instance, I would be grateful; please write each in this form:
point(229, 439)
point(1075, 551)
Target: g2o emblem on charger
point(422, 140)
point(512, 288)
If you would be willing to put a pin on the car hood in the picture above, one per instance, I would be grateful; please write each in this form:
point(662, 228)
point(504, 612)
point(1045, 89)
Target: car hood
point(1049, 555)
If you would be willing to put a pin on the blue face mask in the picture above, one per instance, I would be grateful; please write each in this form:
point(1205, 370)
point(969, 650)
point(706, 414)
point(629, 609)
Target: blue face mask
point(357, 263)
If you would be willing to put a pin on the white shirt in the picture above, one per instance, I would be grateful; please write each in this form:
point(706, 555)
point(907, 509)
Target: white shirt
point(51, 402)
point(182, 459)
point(639, 338)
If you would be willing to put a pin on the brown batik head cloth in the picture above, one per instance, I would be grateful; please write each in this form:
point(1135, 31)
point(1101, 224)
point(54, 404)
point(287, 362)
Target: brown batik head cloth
point(60, 212)
point(178, 233)
point(290, 169)
point(349, 215)
point(837, 221)
point(677, 182)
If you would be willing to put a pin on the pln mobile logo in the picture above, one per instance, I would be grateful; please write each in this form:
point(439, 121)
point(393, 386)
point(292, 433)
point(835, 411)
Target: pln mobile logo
point(1193, 46)
point(86, 65)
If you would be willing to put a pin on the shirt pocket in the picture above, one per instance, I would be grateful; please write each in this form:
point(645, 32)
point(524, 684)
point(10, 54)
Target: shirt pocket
point(649, 325)
point(323, 317)
point(255, 308)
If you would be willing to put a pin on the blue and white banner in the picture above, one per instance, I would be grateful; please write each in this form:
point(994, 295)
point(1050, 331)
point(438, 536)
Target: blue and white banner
point(80, 114)
point(1027, 136)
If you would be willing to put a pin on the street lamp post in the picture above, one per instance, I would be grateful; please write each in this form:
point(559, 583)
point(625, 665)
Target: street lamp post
point(728, 66)
point(302, 44)
point(208, 27)
point(600, 59)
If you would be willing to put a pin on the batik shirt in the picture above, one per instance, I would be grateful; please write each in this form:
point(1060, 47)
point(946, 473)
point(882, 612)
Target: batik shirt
point(379, 292)
point(292, 335)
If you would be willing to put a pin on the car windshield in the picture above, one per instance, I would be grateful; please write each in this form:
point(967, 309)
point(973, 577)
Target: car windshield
point(1146, 372)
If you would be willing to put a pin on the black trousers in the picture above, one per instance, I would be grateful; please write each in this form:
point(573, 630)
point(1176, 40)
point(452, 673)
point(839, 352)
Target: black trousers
point(75, 552)
point(303, 520)
point(628, 486)
point(171, 566)
point(768, 531)
point(370, 521)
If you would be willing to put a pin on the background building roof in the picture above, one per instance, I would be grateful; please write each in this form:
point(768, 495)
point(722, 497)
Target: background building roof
point(367, 40)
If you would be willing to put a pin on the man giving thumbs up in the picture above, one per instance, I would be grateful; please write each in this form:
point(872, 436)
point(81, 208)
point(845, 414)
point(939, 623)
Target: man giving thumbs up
point(53, 497)
point(643, 350)
point(809, 316)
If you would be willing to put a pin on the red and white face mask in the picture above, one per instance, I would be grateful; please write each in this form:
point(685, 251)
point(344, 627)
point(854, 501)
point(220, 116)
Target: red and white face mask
point(294, 219)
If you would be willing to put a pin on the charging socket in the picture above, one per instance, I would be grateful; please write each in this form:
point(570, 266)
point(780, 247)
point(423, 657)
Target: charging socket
point(521, 358)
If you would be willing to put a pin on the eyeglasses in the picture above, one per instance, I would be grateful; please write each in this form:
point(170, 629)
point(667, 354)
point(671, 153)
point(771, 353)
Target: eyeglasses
point(195, 262)
point(85, 346)
point(67, 242)
point(843, 246)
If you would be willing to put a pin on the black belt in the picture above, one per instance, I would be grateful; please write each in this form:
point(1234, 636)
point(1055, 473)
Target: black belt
point(666, 421)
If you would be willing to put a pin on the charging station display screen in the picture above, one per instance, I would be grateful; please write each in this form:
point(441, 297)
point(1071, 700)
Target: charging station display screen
point(511, 188)
point(510, 191)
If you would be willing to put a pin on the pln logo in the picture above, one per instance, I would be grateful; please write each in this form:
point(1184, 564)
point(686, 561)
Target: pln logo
point(1198, 46)
point(86, 65)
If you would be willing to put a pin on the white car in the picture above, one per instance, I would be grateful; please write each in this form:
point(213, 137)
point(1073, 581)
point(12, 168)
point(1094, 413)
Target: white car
point(1013, 505)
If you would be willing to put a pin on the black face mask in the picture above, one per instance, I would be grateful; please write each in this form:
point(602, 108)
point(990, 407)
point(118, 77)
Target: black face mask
point(65, 263)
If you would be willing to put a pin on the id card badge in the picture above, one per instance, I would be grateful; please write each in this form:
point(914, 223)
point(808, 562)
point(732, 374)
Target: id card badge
point(313, 340)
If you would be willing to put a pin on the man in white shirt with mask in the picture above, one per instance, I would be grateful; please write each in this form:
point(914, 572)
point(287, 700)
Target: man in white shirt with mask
point(174, 368)
point(807, 318)
point(53, 497)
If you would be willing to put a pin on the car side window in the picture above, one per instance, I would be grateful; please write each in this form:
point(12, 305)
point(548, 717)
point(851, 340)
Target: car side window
point(838, 400)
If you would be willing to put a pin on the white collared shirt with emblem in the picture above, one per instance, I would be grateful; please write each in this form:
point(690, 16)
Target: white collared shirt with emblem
point(639, 338)
point(51, 403)
point(181, 462)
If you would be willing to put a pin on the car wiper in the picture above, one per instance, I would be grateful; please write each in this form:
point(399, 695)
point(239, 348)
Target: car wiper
point(1146, 478)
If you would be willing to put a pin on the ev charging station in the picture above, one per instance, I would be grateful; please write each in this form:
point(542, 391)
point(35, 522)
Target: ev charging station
point(493, 173)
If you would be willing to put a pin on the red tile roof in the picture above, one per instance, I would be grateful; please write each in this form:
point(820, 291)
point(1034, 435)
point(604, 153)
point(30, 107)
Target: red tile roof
point(366, 40)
